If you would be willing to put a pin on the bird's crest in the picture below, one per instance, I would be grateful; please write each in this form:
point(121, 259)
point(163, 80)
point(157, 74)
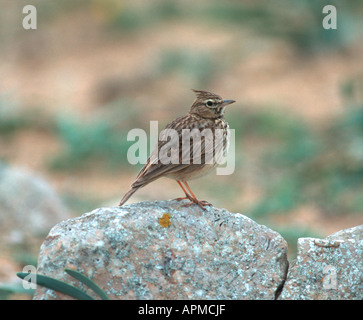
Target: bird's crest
point(201, 94)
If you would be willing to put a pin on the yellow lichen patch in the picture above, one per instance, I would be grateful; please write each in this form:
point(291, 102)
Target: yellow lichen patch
point(164, 221)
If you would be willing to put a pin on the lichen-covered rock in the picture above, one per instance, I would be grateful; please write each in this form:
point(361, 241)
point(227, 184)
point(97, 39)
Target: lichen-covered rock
point(355, 233)
point(161, 250)
point(330, 268)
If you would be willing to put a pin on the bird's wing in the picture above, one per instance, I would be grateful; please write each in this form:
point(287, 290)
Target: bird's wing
point(170, 156)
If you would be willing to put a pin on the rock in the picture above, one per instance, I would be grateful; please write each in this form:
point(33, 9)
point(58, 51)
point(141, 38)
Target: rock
point(330, 268)
point(29, 206)
point(161, 250)
point(355, 233)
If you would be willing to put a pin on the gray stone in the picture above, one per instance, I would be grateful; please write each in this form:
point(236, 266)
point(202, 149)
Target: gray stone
point(355, 233)
point(29, 206)
point(138, 252)
point(330, 268)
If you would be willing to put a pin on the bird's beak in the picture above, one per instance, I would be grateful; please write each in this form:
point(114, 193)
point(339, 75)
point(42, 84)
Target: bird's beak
point(227, 102)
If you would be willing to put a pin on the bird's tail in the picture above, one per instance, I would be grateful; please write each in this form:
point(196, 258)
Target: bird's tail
point(128, 195)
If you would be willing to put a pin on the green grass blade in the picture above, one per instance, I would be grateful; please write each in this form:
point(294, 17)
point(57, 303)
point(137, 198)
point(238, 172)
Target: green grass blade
point(58, 285)
point(88, 282)
point(8, 289)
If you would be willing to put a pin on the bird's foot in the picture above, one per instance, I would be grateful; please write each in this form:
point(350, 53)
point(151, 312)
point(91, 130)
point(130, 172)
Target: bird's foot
point(201, 203)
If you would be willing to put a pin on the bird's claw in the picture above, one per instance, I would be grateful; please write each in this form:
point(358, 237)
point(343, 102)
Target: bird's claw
point(201, 203)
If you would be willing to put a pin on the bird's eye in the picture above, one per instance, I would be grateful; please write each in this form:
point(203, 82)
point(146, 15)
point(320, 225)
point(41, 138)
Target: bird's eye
point(209, 103)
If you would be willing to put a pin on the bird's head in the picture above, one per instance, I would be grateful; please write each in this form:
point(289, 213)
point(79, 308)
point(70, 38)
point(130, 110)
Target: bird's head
point(209, 105)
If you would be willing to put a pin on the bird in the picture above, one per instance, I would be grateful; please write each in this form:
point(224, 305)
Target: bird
point(171, 158)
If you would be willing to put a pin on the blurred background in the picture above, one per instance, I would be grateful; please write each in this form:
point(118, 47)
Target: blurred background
point(94, 69)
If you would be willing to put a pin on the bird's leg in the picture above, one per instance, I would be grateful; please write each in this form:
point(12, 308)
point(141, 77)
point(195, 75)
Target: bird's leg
point(187, 196)
point(195, 200)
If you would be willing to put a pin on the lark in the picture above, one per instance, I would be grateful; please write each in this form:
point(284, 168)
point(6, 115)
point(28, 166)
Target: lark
point(183, 156)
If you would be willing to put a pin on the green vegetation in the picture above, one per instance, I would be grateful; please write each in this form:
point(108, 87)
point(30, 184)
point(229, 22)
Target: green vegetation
point(8, 289)
point(66, 288)
point(131, 19)
point(292, 233)
point(85, 143)
point(304, 166)
point(198, 67)
point(13, 118)
point(298, 22)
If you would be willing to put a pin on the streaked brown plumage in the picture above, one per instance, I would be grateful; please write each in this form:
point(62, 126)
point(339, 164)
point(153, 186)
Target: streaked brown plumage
point(168, 159)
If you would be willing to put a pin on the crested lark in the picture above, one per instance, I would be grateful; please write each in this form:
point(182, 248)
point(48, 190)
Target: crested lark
point(173, 159)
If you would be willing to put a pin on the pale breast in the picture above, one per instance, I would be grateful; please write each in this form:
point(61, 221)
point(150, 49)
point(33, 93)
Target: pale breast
point(221, 144)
